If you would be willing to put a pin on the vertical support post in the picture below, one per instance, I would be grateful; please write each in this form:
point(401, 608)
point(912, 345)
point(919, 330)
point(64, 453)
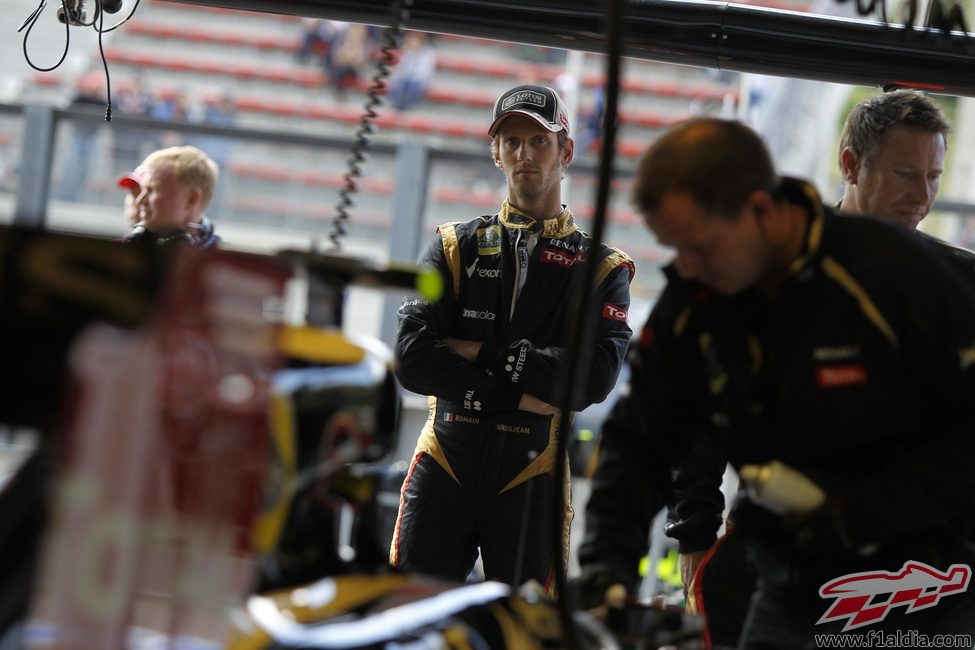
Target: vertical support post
point(36, 160)
point(409, 205)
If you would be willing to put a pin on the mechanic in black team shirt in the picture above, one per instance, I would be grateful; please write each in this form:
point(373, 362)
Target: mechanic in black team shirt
point(489, 355)
point(840, 346)
point(892, 156)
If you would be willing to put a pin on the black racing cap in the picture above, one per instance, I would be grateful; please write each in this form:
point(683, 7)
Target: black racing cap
point(540, 103)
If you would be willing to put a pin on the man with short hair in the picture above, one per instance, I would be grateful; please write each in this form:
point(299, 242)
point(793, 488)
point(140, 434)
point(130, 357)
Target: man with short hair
point(892, 156)
point(837, 345)
point(175, 187)
point(489, 356)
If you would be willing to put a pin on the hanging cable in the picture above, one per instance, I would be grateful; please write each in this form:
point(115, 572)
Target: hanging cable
point(29, 25)
point(123, 21)
point(101, 51)
point(73, 15)
point(581, 334)
point(358, 154)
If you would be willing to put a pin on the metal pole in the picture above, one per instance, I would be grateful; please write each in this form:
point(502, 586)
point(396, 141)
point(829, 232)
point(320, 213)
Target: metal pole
point(409, 205)
point(36, 159)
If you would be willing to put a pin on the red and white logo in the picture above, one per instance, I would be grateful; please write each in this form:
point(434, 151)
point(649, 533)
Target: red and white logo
point(863, 599)
point(838, 376)
point(614, 312)
point(562, 258)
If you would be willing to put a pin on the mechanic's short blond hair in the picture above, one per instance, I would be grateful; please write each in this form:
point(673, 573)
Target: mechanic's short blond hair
point(191, 168)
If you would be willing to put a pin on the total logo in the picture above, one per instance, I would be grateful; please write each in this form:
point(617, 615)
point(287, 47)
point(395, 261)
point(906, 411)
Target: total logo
point(479, 314)
point(614, 312)
point(567, 260)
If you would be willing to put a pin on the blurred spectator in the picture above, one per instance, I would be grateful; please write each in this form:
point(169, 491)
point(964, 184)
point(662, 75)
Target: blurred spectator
point(412, 74)
point(219, 112)
point(352, 51)
point(590, 133)
point(222, 112)
point(171, 107)
point(318, 37)
point(74, 173)
point(129, 143)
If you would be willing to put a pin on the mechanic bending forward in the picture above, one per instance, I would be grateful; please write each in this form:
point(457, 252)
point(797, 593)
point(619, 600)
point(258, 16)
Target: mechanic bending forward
point(841, 346)
point(489, 356)
point(891, 154)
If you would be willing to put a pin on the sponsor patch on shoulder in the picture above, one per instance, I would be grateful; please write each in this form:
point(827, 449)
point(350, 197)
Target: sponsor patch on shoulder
point(615, 312)
point(840, 376)
point(489, 240)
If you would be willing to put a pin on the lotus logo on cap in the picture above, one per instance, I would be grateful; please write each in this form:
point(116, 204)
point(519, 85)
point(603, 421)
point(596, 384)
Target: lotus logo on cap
point(524, 97)
point(540, 103)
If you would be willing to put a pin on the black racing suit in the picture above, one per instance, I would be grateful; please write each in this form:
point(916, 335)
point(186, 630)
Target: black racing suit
point(859, 374)
point(510, 283)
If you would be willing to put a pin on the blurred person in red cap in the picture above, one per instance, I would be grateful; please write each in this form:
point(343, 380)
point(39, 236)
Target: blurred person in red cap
point(489, 356)
point(174, 187)
point(132, 183)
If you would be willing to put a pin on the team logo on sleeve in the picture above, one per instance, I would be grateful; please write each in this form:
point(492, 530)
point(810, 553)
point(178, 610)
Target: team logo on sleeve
point(614, 311)
point(866, 598)
point(489, 240)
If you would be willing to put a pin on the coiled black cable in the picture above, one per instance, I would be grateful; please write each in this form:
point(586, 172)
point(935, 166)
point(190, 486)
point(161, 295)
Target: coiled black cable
point(392, 36)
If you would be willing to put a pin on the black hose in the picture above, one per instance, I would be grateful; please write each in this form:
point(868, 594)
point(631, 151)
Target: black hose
point(581, 334)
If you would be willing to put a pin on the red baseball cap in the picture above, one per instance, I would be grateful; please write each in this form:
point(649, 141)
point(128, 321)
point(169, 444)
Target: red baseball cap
point(132, 179)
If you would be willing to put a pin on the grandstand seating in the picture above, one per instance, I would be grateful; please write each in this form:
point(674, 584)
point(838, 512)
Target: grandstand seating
point(206, 52)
